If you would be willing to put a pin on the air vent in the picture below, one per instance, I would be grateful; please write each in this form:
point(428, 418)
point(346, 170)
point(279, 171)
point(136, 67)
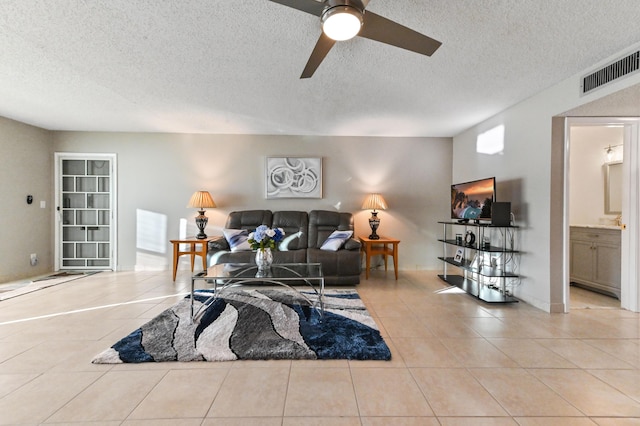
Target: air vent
point(622, 67)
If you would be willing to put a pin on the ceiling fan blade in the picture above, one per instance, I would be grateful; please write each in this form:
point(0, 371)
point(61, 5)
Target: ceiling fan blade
point(310, 6)
point(378, 28)
point(323, 46)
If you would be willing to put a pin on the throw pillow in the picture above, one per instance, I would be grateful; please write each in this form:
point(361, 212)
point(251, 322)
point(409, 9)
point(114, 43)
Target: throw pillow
point(336, 240)
point(284, 244)
point(237, 239)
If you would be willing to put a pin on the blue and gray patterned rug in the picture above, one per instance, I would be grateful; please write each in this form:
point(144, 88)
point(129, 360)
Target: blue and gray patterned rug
point(256, 324)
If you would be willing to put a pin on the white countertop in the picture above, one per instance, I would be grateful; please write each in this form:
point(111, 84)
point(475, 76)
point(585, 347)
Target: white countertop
point(597, 226)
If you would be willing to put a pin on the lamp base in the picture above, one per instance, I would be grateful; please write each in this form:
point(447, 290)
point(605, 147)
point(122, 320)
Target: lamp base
point(374, 222)
point(201, 223)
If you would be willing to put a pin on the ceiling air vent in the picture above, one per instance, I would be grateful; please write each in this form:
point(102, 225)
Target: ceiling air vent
point(613, 71)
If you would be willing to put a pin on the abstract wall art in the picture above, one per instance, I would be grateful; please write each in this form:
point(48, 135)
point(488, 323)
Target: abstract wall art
point(294, 177)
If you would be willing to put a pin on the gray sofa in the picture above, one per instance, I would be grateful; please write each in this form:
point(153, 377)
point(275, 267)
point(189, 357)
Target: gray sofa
point(341, 267)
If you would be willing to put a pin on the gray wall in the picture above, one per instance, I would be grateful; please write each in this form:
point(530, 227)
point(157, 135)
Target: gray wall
point(26, 159)
point(157, 173)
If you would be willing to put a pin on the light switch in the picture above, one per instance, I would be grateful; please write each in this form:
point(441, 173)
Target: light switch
point(43, 204)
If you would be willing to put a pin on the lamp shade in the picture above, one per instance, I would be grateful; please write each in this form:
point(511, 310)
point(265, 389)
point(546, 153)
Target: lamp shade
point(201, 200)
point(374, 202)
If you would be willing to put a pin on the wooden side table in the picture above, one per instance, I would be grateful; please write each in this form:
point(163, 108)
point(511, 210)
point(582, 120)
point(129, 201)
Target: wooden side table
point(384, 246)
point(193, 251)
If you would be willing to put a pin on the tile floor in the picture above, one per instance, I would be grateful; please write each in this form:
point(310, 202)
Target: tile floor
point(456, 361)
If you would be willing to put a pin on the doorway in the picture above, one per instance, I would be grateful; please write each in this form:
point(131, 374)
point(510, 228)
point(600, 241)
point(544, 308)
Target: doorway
point(602, 217)
point(85, 219)
point(594, 233)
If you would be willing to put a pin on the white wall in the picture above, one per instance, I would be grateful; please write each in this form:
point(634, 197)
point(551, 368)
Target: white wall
point(529, 174)
point(25, 169)
point(587, 172)
point(158, 173)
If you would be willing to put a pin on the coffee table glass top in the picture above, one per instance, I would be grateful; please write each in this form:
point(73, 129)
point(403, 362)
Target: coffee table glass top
point(279, 271)
point(227, 275)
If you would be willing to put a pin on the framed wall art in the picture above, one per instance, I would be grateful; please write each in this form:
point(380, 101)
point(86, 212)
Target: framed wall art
point(293, 177)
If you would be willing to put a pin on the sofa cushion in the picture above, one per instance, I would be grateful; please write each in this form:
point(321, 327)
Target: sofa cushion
point(249, 219)
point(237, 239)
point(336, 240)
point(293, 222)
point(323, 222)
point(338, 267)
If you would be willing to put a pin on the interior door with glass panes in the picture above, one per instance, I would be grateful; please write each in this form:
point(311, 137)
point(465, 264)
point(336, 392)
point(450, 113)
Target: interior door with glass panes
point(85, 220)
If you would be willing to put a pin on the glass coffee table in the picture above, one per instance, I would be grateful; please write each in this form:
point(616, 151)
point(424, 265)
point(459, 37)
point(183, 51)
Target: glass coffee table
point(290, 275)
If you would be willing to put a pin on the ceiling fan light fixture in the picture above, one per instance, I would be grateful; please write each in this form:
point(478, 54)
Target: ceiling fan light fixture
point(341, 22)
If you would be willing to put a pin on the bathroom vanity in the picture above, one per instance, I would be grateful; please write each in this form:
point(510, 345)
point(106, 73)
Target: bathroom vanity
point(595, 258)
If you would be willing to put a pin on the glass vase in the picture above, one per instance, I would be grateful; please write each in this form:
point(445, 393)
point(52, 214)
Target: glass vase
point(264, 259)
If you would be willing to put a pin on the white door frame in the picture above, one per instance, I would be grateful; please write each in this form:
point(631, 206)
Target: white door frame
point(630, 244)
point(57, 197)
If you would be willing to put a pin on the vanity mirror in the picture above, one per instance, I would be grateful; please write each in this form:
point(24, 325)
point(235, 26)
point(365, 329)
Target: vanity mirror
point(613, 188)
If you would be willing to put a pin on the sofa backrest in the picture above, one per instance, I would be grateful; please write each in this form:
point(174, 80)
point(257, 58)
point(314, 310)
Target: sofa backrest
point(249, 219)
point(292, 222)
point(323, 222)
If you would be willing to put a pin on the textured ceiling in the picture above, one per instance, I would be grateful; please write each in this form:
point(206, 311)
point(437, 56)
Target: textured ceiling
point(211, 66)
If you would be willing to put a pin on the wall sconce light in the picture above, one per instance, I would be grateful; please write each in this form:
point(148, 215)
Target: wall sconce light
point(201, 200)
point(374, 202)
point(611, 152)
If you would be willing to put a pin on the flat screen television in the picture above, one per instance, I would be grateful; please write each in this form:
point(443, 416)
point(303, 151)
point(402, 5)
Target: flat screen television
point(473, 200)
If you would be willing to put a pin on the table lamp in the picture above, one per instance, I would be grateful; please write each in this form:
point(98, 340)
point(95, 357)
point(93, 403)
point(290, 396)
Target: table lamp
point(201, 200)
point(374, 202)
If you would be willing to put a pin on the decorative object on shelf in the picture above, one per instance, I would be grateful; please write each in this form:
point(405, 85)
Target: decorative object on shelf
point(486, 243)
point(201, 200)
point(374, 202)
point(458, 258)
point(469, 238)
point(294, 177)
point(263, 240)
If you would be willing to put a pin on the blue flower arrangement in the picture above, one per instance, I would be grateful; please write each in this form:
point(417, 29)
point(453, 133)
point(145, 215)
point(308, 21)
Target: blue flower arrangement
point(265, 237)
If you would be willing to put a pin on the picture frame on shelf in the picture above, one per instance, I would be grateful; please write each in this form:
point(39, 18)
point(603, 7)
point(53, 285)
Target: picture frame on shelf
point(459, 257)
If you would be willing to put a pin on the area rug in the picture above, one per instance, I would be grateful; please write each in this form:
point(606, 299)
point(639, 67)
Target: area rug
point(255, 324)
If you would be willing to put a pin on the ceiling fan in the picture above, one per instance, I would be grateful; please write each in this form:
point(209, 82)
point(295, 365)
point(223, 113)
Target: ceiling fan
point(344, 19)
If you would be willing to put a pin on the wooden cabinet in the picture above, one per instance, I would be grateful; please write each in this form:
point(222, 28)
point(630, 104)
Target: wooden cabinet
point(595, 258)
